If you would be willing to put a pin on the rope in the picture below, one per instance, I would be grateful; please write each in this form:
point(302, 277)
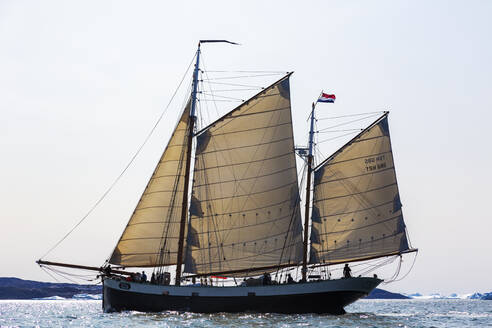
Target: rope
point(348, 122)
point(371, 267)
point(60, 274)
point(214, 95)
point(236, 85)
point(337, 137)
point(406, 274)
point(209, 87)
point(239, 77)
point(220, 100)
point(269, 72)
point(237, 89)
point(351, 115)
point(66, 275)
point(126, 167)
point(344, 130)
point(52, 276)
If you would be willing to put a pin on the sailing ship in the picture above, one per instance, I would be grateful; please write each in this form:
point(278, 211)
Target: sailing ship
point(236, 212)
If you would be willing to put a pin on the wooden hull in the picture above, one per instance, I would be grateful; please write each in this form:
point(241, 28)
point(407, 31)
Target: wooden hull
point(329, 296)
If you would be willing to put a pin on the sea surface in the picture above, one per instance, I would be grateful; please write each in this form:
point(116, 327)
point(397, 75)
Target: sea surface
point(364, 313)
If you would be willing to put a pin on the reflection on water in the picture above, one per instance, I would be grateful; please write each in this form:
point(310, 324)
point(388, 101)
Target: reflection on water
point(365, 313)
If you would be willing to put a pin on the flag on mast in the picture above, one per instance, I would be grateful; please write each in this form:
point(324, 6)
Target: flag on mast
point(326, 98)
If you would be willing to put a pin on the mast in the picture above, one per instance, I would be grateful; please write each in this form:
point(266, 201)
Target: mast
point(191, 127)
point(308, 194)
point(184, 208)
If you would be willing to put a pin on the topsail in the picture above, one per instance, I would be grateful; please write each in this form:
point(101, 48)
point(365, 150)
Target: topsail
point(356, 211)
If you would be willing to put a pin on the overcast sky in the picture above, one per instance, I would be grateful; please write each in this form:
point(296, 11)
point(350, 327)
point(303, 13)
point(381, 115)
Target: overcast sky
point(82, 83)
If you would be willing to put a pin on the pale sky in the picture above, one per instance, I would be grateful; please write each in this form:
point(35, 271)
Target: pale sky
point(82, 83)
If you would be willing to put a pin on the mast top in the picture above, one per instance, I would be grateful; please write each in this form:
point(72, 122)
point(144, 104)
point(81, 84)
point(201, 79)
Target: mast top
point(217, 41)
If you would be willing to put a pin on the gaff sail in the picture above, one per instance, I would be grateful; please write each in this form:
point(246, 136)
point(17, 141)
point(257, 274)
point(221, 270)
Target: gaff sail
point(244, 212)
point(356, 211)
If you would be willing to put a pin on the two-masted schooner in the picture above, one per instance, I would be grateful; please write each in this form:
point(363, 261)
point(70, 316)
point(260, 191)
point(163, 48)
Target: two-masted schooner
point(236, 212)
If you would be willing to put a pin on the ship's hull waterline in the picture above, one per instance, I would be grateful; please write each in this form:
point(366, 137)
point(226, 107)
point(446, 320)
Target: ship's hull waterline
point(329, 296)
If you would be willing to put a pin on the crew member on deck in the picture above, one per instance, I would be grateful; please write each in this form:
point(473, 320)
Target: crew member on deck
point(267, 279)
point(347, 271)
point(290, 280)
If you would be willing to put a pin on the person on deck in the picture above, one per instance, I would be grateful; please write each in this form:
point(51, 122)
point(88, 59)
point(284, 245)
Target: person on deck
point(107, 270)
point(143, 277)
point(347, 271)
point(290, 280)
point(267, 280)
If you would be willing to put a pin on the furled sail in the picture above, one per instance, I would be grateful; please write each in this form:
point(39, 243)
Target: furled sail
point(151, 236)
point(244, 212)
point(356, 206)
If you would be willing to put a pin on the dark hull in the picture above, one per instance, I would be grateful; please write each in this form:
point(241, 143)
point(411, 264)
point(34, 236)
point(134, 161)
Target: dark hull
point(326, 302)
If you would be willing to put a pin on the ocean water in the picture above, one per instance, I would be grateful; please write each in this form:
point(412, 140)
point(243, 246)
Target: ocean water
point(364, 313)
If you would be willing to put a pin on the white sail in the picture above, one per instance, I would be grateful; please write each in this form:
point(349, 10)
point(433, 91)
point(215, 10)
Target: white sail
point(151, 236)
point(245, 201)
point(356, 205)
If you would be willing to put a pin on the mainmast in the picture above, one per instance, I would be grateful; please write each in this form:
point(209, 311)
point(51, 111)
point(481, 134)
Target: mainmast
point(191, 127)
point(184, 207)
point(308, 194)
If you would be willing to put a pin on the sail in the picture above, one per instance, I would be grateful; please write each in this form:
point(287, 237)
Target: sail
point(244, 212)
point(151, 236)
point(356, 205)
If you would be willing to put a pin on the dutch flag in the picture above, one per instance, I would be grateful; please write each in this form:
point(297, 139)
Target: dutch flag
point(326, 98)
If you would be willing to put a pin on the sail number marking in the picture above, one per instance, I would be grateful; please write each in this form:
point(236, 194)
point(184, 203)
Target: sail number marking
point(375, 163)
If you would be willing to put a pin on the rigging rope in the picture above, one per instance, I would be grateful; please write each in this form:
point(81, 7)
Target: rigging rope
point(344, 130)
point(270, 72)
point(237, 89)
point(126, 167)
point(61, 275)
point(214, 95)
point(350, 115)
point(235, 84)
point(337, 137)
point(239, 77)
point(318, 155)
point(348, 122)
point(221, 100)
point(52, 276)
point(406, 274)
